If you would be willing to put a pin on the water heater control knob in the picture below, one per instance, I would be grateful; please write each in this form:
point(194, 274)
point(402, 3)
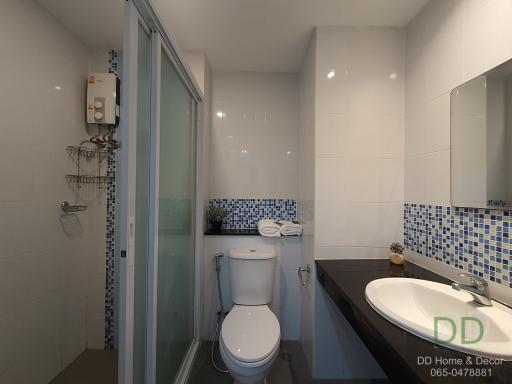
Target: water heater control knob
point(98, 105)
point(98, 115)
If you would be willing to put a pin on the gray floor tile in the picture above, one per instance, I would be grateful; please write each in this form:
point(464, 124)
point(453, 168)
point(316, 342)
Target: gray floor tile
point(93, 366)
point(289, 368)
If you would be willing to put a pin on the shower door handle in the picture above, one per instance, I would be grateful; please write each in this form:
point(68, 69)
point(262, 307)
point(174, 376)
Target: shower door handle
point(300, 271)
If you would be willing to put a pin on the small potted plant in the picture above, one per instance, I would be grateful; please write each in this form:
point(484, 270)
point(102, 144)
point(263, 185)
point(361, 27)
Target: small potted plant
point(396, 254)
point(216, 215)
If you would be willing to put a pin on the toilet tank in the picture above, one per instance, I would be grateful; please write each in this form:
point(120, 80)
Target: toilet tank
point(252, 275)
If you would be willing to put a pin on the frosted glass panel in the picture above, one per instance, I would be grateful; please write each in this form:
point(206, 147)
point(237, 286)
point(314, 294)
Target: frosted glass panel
point(175, 296)
point(142, 206)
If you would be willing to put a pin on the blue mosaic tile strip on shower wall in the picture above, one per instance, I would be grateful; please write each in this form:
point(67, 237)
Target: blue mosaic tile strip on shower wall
point(474, 240)
point(245, 213)
point(113, 64)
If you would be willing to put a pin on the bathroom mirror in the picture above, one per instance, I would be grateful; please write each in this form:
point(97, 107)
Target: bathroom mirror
point(481, 140)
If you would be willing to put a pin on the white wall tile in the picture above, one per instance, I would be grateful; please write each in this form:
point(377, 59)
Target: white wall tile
point(290, 256)
point(254, 145)
point(96, 331)
point(359, 172)
point(416, 132)
point(487, 37)
point(446, 48)
point(358, 180)
point(95, 294)
point(290, 305)
point(365, 71)
point(416, 66)
point(390, 181)
point(12, 342)
point(44, 272)
point(428, 178)
point(197, 62)
point(73, 329)
point(43, 338)
point(359, 143)
point(18, 181)
point(437, 124)
point(16, 219)
point(361, 224)
point(448, 43)
point(437, 177)
point(360, 252)
point(415, 179)
point(306, 194)
point(360, 135)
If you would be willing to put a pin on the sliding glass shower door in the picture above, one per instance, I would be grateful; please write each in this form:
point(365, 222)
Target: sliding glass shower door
point(142, 214)
point(158, 183)
point(176, 234)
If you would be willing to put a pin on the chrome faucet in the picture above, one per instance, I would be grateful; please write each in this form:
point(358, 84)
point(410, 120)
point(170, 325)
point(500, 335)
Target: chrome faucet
point(479, 289)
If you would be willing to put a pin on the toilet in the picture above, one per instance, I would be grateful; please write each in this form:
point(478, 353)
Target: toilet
point(250, 334)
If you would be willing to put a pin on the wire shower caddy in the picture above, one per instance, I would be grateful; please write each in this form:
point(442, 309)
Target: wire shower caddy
point(91, 173)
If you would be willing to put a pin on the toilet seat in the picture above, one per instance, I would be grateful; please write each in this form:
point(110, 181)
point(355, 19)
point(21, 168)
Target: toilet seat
point(250, 335)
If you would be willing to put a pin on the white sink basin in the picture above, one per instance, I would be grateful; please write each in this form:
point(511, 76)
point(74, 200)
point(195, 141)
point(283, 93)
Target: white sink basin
point(414, 305)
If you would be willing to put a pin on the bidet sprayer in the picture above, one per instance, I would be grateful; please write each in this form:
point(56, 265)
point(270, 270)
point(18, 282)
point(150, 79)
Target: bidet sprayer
point(218, 256)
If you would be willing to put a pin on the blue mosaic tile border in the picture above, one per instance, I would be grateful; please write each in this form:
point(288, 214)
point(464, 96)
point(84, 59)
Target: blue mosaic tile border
point(471, 239)
point(113, 67)
point(245, 213)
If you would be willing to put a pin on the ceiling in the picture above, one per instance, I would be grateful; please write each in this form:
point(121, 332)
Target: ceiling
point(242, 35)
point(97, 23)
point(270, 35)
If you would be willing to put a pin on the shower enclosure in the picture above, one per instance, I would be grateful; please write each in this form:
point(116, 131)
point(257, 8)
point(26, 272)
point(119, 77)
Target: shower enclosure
point(158, 268)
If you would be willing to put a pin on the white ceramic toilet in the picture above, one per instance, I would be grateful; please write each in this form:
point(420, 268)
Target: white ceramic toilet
point(250, 335)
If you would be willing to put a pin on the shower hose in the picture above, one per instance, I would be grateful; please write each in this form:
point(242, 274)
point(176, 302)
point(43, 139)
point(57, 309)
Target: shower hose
point(220, 316)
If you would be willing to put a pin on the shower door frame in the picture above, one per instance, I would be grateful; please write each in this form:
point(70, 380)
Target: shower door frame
point(141, 12)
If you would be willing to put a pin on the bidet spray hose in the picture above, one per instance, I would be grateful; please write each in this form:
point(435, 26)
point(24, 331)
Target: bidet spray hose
point(220, 317)
point(218, 256)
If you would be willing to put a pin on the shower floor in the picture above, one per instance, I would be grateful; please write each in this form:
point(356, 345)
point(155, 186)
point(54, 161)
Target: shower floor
point(93, 366)
point(290, 368)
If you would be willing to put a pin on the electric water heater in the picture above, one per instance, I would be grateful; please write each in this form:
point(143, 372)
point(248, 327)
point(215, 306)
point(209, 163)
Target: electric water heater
point(103, 94)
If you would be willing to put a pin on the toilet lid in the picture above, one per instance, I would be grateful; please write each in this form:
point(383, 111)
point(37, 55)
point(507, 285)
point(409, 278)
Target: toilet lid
point(250, 332)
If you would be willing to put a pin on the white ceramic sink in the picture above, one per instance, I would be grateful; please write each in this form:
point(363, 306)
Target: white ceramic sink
point(414, 305)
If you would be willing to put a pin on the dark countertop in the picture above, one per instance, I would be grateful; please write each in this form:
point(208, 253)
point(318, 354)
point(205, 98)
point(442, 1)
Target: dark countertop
point(395, 349)
point(233, 232)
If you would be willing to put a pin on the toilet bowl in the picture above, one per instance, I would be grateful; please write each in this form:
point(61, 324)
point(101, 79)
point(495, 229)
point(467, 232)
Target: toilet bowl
point(249, 342)
point(250, 334)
